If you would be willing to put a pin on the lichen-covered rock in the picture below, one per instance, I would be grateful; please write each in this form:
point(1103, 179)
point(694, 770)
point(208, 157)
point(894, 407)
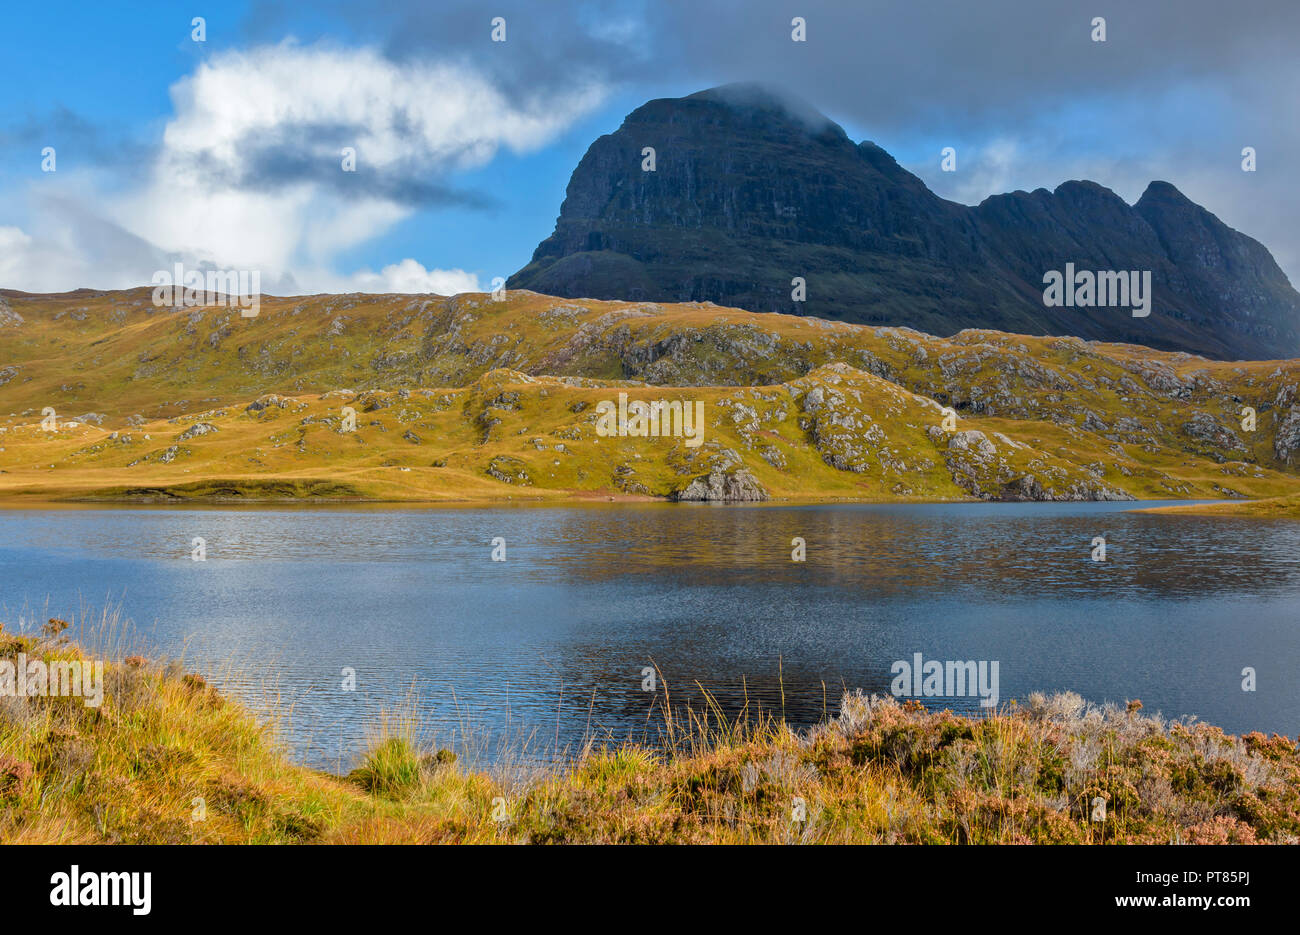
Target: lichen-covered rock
point(845, 435)
point(197, 429)
point(1023, 488)
point(974, 464)
point(1287, 441)
point(625, 480)
point(737, 486)
point(265, 402)
point(773, 456)
point(1093, 492)
point(509, 470)
point(1215, 437)
point(974, 442)
point(374, 401)
point(8, 317)
point(1027, 487)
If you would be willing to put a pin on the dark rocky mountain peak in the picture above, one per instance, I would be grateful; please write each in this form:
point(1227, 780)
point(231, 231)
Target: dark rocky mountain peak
point(752, 188)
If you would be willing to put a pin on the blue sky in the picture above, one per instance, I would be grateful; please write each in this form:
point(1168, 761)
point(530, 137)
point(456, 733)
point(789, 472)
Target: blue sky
point(223, 152)
point(119, 89)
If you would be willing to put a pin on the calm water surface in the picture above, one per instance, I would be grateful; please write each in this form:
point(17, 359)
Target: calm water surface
point(551, 643)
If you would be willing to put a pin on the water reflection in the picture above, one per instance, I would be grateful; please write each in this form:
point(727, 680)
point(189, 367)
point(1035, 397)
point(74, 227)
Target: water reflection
point(554, 640)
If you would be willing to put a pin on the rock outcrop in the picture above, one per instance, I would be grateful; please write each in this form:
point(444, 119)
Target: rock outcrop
point(723, 487)
point(195, 430)
point(8, 317)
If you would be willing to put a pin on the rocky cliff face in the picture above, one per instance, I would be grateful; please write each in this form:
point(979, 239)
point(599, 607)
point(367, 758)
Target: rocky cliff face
point(748, 193)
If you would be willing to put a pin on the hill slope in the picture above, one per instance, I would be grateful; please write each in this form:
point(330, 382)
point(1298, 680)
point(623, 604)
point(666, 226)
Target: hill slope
point(466, 397)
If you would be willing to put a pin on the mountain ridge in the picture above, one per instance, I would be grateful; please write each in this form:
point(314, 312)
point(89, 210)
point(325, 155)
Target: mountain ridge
point(745, 197)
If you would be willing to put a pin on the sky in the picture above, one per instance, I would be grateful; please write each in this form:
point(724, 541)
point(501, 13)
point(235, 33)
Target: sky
point(227, 153)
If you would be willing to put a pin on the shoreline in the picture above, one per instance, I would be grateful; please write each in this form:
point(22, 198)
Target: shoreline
point(563, 498)
point(1287, 507)
point(166, 758)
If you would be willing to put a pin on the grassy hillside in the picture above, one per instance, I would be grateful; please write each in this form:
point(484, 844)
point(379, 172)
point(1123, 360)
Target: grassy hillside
point(166, 759)
point(1287, 507)
point(470, 398)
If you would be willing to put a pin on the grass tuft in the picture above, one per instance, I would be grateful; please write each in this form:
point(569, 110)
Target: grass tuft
point(392, 769)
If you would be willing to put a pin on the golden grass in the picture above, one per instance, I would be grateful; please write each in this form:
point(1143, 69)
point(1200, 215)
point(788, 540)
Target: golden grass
point(166, 759)
point(1287, 507)
point(541, 444)
point(470, 399)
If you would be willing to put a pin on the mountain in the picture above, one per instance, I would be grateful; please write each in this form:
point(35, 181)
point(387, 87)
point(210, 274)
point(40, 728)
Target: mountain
point(106, 395)
point(751, 190)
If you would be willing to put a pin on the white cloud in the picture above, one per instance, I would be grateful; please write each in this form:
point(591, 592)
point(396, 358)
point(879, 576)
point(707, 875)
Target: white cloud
point(408, 276)
point(12, 241)
point(206, 198)
point(442, 112)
